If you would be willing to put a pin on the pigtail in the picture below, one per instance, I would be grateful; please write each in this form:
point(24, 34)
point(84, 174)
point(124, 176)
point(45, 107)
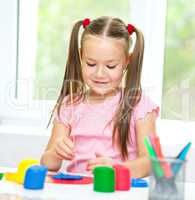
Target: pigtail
point(73, 76)
point(133, 78)
point(73, 65)
point(131, 95)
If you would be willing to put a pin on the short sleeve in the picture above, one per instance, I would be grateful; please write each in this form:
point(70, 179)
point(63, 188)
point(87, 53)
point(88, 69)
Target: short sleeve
point(64, 115)
point(145, 105)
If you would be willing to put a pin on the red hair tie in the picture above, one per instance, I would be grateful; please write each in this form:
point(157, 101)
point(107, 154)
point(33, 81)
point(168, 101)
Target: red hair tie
point(130, 28)
point(86, 22)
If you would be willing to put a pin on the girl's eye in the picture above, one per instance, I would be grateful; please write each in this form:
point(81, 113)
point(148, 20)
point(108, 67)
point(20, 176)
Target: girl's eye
point(111, 66)
point(91, 64)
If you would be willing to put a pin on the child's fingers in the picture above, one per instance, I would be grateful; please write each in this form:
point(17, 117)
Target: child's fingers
point(99, 160)
point(68, 142)
point(60, 156)
point(63, 155)
point(91, 167)
point(65, 151)
point(98, 154)
point(58, 153)
point(65, 147)
point(95, 161)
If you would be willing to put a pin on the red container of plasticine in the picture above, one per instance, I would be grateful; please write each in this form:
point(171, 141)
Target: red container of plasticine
point(122, 178)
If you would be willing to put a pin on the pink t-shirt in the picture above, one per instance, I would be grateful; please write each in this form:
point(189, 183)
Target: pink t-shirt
point(91, 130)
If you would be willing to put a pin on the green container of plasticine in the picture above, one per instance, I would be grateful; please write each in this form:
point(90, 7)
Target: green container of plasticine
point(104, 179)
point(1, 175)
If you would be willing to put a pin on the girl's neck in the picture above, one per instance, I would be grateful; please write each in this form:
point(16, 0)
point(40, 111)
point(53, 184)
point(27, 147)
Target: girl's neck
point(95, 98)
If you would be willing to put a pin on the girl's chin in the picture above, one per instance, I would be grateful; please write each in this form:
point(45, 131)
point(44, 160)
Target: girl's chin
point(101, 92)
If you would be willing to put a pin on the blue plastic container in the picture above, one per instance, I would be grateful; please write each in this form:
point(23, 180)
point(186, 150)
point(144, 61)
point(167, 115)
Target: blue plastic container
point(35, 177)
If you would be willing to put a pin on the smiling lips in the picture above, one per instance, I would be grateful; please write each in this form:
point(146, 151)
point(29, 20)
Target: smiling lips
point(100, 82)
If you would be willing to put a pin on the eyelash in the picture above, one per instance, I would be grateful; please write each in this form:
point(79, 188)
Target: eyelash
point(108, 66)
point(91, 65)
point(111, 67)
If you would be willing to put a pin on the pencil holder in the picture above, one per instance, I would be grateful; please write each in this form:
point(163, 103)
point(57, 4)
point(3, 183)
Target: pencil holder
point(169, 184)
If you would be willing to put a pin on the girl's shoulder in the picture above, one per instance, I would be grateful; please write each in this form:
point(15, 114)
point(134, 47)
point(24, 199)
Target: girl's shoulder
point(144, 106)
point(66, 110)
point(73, 101)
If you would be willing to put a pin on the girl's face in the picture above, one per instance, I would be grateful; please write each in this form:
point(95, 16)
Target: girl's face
point(103, 63)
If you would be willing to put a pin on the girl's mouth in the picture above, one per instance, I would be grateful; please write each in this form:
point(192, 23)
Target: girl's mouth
point(100, 82)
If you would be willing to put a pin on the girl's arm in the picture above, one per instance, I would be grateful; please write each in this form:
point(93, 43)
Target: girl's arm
point(59, 147)
point(140, 167)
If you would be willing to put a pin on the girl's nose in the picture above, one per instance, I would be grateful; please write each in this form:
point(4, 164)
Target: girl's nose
point(100, 71)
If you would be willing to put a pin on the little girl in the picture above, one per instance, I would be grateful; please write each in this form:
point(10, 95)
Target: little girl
point(101, 116)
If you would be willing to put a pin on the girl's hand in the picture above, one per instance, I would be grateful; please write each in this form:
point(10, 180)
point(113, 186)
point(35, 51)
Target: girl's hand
point(100, 160)
point(64, 149)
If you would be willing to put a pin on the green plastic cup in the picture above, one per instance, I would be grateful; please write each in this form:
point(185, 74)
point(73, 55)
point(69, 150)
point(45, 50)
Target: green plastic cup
point(104, 179)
